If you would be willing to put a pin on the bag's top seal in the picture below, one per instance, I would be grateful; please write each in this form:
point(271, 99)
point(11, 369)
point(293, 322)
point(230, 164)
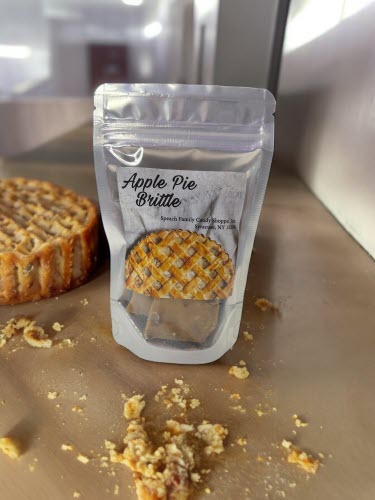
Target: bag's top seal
point(194, 112)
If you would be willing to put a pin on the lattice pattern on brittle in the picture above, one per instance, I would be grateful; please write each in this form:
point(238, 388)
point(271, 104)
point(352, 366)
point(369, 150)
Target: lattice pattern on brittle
point(179, 264)
point(34, 212)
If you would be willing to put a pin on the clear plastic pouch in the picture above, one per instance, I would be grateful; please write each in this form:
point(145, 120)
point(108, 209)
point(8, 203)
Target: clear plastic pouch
point(181, 173)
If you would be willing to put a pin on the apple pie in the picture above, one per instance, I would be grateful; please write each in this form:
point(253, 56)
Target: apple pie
point(181, 265)
point(48, 240)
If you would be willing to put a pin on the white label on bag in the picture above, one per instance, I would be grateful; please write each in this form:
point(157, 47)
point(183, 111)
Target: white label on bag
point(208, 203)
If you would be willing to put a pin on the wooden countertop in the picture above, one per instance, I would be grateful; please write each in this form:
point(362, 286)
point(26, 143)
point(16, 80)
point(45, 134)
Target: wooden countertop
point(315, 359)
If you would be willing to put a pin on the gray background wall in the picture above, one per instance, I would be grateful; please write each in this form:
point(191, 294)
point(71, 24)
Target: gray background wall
point(325, 119)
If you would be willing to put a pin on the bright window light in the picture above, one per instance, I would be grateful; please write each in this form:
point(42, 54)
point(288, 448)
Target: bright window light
point(315, 18)
point(204, 6)
point(152, 30)
point(15, 51)
point(351, 7)
point(133, 3)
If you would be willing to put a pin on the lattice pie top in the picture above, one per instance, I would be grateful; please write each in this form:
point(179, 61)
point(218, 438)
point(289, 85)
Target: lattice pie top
point(179, 264)
point(48, 239)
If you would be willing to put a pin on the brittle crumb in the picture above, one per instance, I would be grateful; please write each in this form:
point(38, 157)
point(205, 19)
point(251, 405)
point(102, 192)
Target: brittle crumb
point(133, 407)
point(238, 408)
point(116, 489)
point(66, 343)
point(77, 409)
point(82, 458)
point(298, 422)
point(52, 395)
point(36, 337)
point(169, 468)
point(247, 336)
point(109, 445)
point(265, 305)
point(242, 441)
point(235, 395)
point(194, 403)
point(10, 447)
point(16, 325)
point(76, 494)
point(238, 372)
point(286, 444)
point(300, 458)
point(57, 326)
point(66, 447)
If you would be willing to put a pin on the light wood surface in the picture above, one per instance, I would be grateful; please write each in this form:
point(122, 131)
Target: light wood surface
point(315, 359)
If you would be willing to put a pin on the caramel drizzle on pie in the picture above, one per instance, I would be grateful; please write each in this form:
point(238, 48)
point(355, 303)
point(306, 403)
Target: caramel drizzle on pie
point(179, 264)
point(48, 239)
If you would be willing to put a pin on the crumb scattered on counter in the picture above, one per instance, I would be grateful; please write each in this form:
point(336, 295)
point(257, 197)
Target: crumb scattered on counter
point(161, 392)
point(213, 435)
point(66, 343)
point(238, 408)
point(3, 340)
point(265, 305)
point(57, 326)
point(76, 494)
point(82, 458)
point(84, 302)
point(67, 447)
point(177, 396)
point(300, 458)
point(242, 441)
point(116, 489)
point(133, 407)
point(77, 409)
point(207, 490)
point(52, 395)
point(298, 422)
point(109, 445)
point(31, 467)
point(83, 397)
point(194, 403)
point(239, 372)
point(169, 469)
point(36, 337)
point(10, 447)
point(247, 336)
point(235, 395)
point(16, 325)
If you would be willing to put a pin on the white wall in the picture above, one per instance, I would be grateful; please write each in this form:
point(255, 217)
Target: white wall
point(244, 42)
point(325, 119)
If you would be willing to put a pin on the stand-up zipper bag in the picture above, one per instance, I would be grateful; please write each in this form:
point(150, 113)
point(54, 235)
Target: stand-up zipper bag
point(181, 173)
